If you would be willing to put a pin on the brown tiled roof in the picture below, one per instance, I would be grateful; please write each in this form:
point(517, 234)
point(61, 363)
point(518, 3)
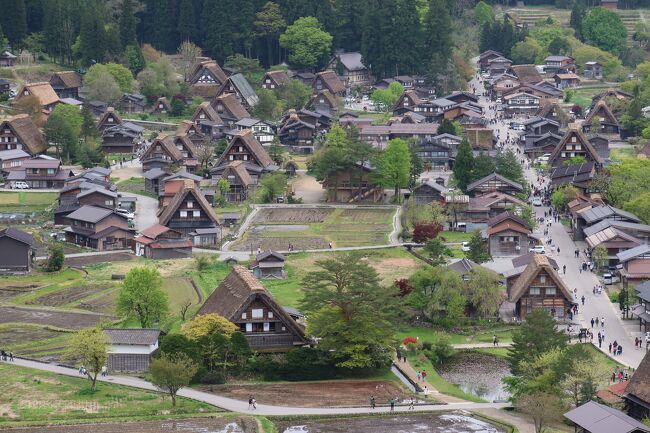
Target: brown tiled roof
point(279, 77)
point(331, 99)
point(109, 111)
point(540, 262)
point(42, 90)
point(601, 106)
point(209, 111)
point(332, 81)
point(136, 336)
point(239, 167)
point(169, 210)
point(526, 73)
point(236, 291)
point(583, 141)
point(639, 385)
point(154, 231)
point(507, 225)
point(188, 145)
point(167, 143)
point(70, 79)
point(18, 235)
point(247, 139)
point(27, 132)
point(213, 67)
point(185, 126)
point(231, 105)
point(507, 215)
point(163, 100)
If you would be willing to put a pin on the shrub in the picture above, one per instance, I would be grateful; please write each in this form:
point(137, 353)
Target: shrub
point(425, 231)
point(55, 259)
point(440, 352)
point(202, 263)
point(214, 378)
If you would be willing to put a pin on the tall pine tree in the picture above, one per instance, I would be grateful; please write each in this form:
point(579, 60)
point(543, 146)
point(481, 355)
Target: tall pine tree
point(218, 33)
point(187, 24)
point(13, 19)
point(92, 34)
point(438, 41)
point(464, 165)
point(127, 25)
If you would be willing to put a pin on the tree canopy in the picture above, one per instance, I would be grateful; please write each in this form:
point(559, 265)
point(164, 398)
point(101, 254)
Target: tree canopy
point(142, 297)
point(308, 44)
point(604, 29)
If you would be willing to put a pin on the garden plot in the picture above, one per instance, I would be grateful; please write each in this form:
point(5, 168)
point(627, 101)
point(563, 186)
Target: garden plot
point(316, 228)
point(58, 319)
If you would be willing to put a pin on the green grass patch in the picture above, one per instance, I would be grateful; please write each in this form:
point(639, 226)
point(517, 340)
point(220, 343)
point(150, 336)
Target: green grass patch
point(456, 237)
point(21, 201)
point(31, 395)
point(504, 335)
point(135, 185)
point(421, 362)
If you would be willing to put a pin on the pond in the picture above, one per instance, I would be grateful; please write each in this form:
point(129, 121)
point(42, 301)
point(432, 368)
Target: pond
point(456, 422)
point(478, 374)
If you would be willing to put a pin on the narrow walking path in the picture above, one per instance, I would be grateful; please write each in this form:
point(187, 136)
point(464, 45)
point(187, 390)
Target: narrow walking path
point(233, 405)
point(429, 390)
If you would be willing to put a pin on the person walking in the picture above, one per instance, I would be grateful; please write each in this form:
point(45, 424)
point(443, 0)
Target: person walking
point(11, 356)
point(104, 371)
point(583, 299)
point(250, 402)
point(392, 404)
point(494, 340)
point(412, 404)
point(602, 322)
point(563, 267)
point(373, 402)
point(592, 325)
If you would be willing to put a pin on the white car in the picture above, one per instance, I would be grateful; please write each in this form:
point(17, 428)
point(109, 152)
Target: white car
point(647, 337)
point(537, 201)
point(538, 249)
point(21, 185)
point(544, 158)
point(128, 214)
point(464, 246)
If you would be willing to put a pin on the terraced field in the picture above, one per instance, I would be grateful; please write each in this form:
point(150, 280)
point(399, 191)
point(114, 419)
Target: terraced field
point(305, 228)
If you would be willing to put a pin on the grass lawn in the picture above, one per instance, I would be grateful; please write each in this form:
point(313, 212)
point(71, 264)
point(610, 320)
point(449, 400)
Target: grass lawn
point(583, 97)
point(421, 362)
point(456, 237)
point(135, 185)
point(503, 333)
point(21, 201)
point(33, 396)
point(390, 263)
point(619, 154)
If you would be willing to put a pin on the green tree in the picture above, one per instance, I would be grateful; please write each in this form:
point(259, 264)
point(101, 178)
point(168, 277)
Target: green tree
point(171, 373)
point(483, 166)
point(123, 76)
point(542, 407)
point(268, 107)
point(13, 21)
point(352, 313)
point(577, 15)
point(187, 20)
point(600, 256)
point(604, 29)
point(90, 348)
point(276, 151)
point(436, 291)
point(127, 25)
point(63, 128)
point(134, 58)
point(447, 127)
point(484, 292)
point(386, 99)
point(640, 206)
point(55, 258)
point(102, 85)
point(507, 165)
point(92, 34)
point(272, 185)
point(437, 251)
point(142, 297)
point(269, 24)
point(483, 13)
point(308, 45)
point(293, 93)
point(534, 337)
point(207, 324)
point(559, 47)
point(438, 40)
point(478, 251)
point(525, 52)
point(463, 165)
point(393, 166)
point(575, 160)
point(562, 196)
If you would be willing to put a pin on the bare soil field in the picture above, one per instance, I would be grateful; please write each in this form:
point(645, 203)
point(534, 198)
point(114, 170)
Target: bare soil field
point(59, 319)
point(66, 296)
point(8, 292)
point(295, 215)
point(104, 303)
point(92, 260)
point(19, 334)
point(193, 425)
point(313, 394)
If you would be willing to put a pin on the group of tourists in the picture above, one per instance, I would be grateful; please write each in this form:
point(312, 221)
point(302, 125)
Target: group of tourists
point(6, 356)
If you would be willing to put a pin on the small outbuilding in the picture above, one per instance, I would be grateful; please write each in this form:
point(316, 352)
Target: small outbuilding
point(269, 264)
point(131, 349)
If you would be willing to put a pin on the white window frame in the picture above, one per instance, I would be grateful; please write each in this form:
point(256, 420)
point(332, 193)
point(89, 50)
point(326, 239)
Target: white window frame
point(257, 313)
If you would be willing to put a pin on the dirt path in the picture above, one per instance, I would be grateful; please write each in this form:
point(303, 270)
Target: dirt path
point(430, 390)
point(308, 188)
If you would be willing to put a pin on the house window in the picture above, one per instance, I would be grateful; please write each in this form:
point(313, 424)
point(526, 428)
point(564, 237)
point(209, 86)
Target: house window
point(243, 315)
point(110, 120)
point(50, 171)
point(249, 327)
point(542, 278)
point(573, 139)
point(257, 313)
point(231, 157)
point(196, 213)
point(266, 326)
point(270, 314)
point(534, 291)
point(550, 290)
point(201, 116)
point(108, 202)
point(183, 214)
point(190, 204)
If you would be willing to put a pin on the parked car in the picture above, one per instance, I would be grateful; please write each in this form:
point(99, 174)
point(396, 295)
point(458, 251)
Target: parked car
point(610, 278)
point(537, 201)
point(21, 185)
point(127, 213)
point(544, 158)
point(539, 249)
point(464, 246)
point(647, 337)
point(517, 126)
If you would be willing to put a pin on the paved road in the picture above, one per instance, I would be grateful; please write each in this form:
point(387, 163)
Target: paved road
point(145, 210)
point(595, 305)
point(242, 406)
